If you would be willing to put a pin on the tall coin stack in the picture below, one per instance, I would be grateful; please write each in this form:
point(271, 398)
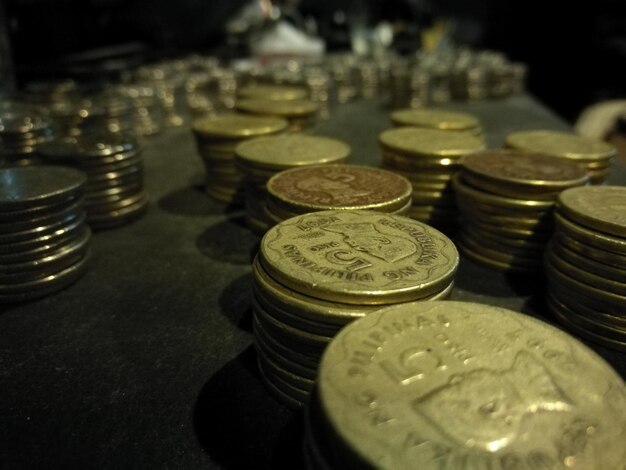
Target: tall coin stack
point(336, 187)
point(452, 385)
point(317, 272)
point(147, 113)
point(299, 113)
point(593, 155)
point(22, 130)
point(506, 201)
point(428, 158)
point(114, 192)
point(259, 159)
point(44, 241)
point(436, 119)
point(586, 264)
point(216, 140)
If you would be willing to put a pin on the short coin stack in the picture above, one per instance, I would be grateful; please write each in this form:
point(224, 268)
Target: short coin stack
point(259, 159)
point(586, 264)
point(593, 155)
point(216, 140)
point(428, 158)
point(299, 113)
point(273, 92)
point(44, 241)
point(336, 187)
point(22, 129)
point(114, 192)
point(436, 119)
point(451, 385)
point(506, 200)
point(317, 272)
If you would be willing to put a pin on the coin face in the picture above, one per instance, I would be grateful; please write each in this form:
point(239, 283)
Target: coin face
point(435, 119)
point(560, 144)
point(340, 187)
point(600, 208)
point(430, 142)
point(359, 257)
point(288, 151)
point(236, 126)
point(461, 385)
point(291, 108)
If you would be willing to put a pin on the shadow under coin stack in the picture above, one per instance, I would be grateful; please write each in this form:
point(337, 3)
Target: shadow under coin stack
point(299, 113)
point(436, 119)
point(114, 192)
point(317, 272)
point(259, 159)
point(428, 159)
point(22, 130)
point(586, 264)
point(593, 155)
point(506, 200)
point(336, 187)
point(452, 385)
point(216, 140)
point(44, 240)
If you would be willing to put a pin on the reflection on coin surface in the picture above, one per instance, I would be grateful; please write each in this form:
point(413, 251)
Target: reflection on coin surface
point(601, 208)
point(435, 119)
point(429, 142)
point(449, 385)
point(236, 126)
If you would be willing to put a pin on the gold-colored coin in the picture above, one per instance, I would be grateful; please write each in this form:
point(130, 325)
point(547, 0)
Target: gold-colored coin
point(438, 166)
point(504, 266)
point(237, 126)
point(273, 92)
point(590, 252)
point(299, 355)
point(418, 177)
point(302, 383)
point(292, 400)
point(561, 144)
point(468, 211)
point(513, 232)
point(359, 257)
point(435, 119)
point(600, 208)
point(589, 236)
point(285, 362)
point(519, 247)
point(428, 142)
point(289, 151)
point(504, 255)
point(463, 385)
point(506, 190)
point(285, 109)
point(587, 264)
point(589, 312)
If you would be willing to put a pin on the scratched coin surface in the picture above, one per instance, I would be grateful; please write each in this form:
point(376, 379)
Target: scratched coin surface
point(454, 385)
point(359, 257)
point(561, 144)
point(429, 142)
point(340, 187)
point(236, 126)
point(601, 208)
point(435, 119)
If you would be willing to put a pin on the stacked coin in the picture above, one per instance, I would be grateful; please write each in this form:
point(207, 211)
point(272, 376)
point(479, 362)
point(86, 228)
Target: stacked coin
point(428, 158)
point(593, 155)
point(586, 264)
point(336, 187)
point(216, 140)
point(317, 272)
point(299, 113)
point(436, 119)
point(273, 92)
point(114, 192)
point(113, 111)
point(259, 159)
point(22, 129)
point(147, 113)
point(451, 385)
point(506, 201)
point(44, 241)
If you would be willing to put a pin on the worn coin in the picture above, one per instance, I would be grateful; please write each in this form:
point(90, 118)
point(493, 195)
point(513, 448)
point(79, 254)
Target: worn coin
point(428, 142)
point(600, 208)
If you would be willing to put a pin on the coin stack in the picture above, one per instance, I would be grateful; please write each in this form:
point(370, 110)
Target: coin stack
point(336, 187)
point(216, 140)
point(114, 192)
point(44, 241)
point(436, 119)
point(428, 158)
point(506, 200)
point(22, 130)
point(317, 272)
point(113, 111)
point(450, 385)
point(147, 113)
point(259, 159)
point(593, 155)
point(273, 92)
point(586, 264)
point(299, 113)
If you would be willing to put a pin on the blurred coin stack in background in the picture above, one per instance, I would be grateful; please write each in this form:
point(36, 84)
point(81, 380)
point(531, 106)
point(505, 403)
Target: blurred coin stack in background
point(299, 113)
point(22, 129)
point(506, 200)
point(147, 113)
point(317, 272)
point(114, 192)
point(436, 119)
point(272, 92)
point(586, 264)
point(428, 158)
point(419, 385)
point(336, 187)
point(259, 159)
point(44, 241)
point(216, 140)
point(593, 155)
point(114, 112)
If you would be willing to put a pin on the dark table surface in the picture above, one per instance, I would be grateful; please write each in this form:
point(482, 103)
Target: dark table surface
point(146, 362)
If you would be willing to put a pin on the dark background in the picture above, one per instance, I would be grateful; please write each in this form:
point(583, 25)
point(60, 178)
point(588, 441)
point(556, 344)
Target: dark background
point(576, 54)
